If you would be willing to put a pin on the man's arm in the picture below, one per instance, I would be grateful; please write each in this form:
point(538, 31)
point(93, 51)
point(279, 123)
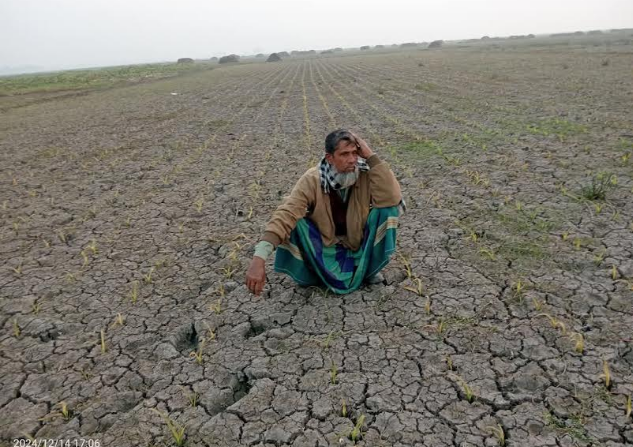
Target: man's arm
point(383, 186)
point(279, 227)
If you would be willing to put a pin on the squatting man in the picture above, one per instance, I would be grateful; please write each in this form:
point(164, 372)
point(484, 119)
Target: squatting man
point(338, 225)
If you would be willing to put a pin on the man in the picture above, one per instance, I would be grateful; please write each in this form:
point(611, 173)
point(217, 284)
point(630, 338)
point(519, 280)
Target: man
point(338, 225)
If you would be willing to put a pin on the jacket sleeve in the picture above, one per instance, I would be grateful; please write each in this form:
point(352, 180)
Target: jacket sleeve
point(293, 208)
point(383, 186)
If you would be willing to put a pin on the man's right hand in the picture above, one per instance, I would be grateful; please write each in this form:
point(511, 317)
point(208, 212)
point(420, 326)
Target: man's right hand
point(256, 275)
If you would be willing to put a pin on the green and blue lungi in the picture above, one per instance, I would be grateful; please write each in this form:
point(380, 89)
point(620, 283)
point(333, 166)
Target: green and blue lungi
point(340, 269)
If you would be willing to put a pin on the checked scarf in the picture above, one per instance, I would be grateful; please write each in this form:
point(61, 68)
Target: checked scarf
point(327, 174)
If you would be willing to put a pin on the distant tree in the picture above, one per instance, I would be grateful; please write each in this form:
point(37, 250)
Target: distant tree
point(283, 54)
point(259, 55)
point(229, 58)
point(274, 57)
point(185, 60)
point(379, 46)
point(214, 58)
point(436, 44)
point(365, 47)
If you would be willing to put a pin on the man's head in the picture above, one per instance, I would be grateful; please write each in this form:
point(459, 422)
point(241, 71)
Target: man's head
point(341, 151)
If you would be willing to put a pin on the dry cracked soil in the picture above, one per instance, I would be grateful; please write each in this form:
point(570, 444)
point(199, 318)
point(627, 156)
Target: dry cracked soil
point(129, 216)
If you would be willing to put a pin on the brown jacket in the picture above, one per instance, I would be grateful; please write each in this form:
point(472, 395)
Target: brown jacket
point(377, 186)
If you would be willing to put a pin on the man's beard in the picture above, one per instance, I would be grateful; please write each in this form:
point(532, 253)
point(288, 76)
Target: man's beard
point(345, 179)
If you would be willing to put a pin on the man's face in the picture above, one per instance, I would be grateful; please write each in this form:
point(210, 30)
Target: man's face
point(345, 156)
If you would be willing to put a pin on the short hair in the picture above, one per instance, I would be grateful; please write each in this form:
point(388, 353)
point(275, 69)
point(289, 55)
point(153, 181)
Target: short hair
point(334, 138)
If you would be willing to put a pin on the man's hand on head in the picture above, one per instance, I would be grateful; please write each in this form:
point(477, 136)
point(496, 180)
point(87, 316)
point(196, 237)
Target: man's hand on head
point(364, 150)
point(256, 275)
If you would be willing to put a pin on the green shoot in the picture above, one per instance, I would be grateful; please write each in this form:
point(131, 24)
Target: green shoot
point(66, 413)
point(197, 355)
point(217, 306)
point(177, 430)
point(199, 203)
point(18, 270)
point(499, 434)
point(35, 307)
point(419, 290)
point(468, 391)
point(344, 407)
point(134, 293)
point(333, 373)
point(538, 305)
point(556, 323)
point(628, 407)
point(606, 374)
point(103, 343)
point(119, 320)
point(228, 272)
point(427, 305)
point(16, 328)
point(580, 342)
point(357, 431)
point(148, 278)
point(614, 272)
point(85, 258)
point(488, 253)
point(449, 362)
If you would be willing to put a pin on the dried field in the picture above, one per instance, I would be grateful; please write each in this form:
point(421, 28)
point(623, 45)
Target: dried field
point(129, 216)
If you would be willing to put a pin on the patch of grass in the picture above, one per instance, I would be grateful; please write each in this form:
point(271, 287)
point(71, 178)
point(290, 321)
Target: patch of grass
point(600, 185)
point(573, 426)
point(177, 430)
point(91, 78)
point(356, 433)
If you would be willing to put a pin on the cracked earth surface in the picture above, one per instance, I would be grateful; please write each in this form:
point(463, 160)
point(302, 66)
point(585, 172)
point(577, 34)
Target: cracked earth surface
point(129, 217)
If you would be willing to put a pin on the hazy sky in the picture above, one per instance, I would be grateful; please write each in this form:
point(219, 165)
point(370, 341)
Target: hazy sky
point(76, 33)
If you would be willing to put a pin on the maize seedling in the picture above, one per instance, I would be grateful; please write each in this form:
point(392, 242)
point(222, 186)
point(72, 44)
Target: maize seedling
point(197, 355)
point(344, 407)
point(565, 235)
point(407, 266)
point(449, 362)
point(228, 272)
point(216, 307)
point(440, 327)
point(103, 343)
point(85, 258)
point(177, 430)
point(356, 433)
point(18, 270)
point(628, 407)
point(538, 305)
point(191, 397)
point(148, 278)
point(419, 290)
point(556, 323)
point(499, 434)
point(199, 203)
point(427, 305)
point(577, 243)
point(93, 247)
point(468, 391)
point(333, 373)
point(119, 320)
point(134, 293)
point(606, 374)
point(580, 342)
point(488, 253)
point(614, 272)
point(16, 328)
point(66, 413)
point(35, 307)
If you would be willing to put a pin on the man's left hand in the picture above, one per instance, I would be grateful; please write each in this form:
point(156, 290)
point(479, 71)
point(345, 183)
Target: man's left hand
point(364, 150)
